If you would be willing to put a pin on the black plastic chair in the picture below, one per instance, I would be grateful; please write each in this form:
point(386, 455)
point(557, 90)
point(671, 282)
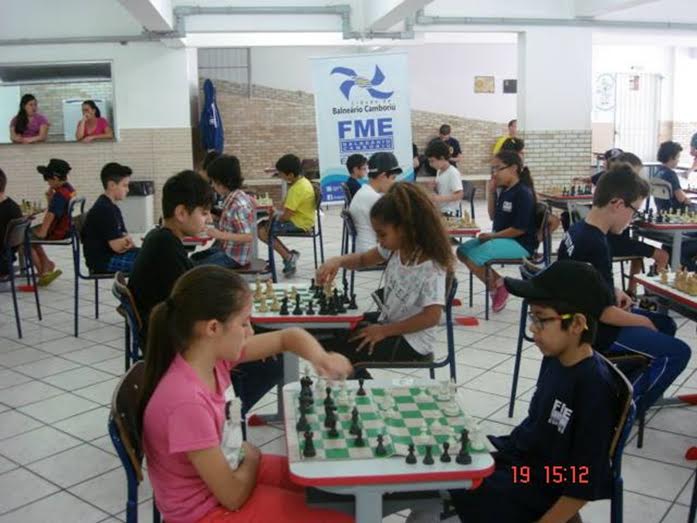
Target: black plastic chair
point(16, 236)
point(77, 222)
point(315, 232)
point(124, 430)
point(468, 192)
point(451, 290)
point(133, 323)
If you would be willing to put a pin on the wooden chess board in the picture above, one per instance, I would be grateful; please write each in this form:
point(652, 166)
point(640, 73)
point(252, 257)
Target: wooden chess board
point(406, 419)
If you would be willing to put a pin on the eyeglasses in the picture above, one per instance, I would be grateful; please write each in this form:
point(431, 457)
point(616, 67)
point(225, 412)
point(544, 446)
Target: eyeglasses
point(539, 323)
point(495, 169)
point(635, 212)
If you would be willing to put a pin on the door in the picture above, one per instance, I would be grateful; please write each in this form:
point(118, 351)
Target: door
point(637, 110)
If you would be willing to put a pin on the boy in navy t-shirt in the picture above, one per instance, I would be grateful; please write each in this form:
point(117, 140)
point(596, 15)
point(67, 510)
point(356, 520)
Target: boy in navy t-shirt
point(9, 210)
point(618, 197)
point(357, 166)
point(108, 247)
point(572, 414)
point(669, 156)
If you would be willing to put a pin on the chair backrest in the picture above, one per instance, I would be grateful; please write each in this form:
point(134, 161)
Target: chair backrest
point(349, 223)
point(16, 232)
point(347, 194)
point(578, 211)
point(661, 189)
point(310, 168)
point(318, 197)
point(125, 406)
point(542, 213)
point(626, 411)
point(468, 190)
point(122, 293)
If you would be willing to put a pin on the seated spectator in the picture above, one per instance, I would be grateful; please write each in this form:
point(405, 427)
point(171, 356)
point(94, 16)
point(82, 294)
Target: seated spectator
point(9, 210)
point(92, 126)
point(108, 246)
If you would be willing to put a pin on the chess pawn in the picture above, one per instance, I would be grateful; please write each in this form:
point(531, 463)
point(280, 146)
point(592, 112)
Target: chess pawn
point(257, 291)
point(664, 276)
point(275, 305)
point(263, 307)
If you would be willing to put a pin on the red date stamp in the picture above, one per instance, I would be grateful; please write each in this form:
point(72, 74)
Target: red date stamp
point(552, 474)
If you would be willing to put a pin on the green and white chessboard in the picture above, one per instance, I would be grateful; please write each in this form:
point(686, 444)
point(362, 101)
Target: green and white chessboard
point(281, 290)
point(401, 424)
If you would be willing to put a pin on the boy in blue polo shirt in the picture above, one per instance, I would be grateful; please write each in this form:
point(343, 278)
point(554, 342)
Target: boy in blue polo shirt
point(618, 197)
point(108, 246)
point(571, 416)
point(357, 166)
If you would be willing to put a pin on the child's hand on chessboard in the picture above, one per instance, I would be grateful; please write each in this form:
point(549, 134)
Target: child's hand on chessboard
point(370, 336)
point(333, 366)
point(327, 271)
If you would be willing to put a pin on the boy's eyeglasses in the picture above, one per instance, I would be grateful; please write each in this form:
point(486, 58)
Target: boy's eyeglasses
point(539, 323)
point(636, 211)
point(495, 169)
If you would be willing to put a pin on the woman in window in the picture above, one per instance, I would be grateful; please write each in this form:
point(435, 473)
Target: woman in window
point(29, 126)
point(92, 126)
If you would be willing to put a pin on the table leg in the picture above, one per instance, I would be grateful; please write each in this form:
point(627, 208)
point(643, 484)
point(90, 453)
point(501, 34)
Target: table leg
point(368, 506)
point(255, 238)
point(677, 248)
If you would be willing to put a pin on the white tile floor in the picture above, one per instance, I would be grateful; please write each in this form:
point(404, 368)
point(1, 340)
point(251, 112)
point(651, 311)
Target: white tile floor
point(57, 463)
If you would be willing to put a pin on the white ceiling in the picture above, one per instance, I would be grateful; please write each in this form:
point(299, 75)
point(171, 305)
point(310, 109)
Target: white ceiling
point(40, 19)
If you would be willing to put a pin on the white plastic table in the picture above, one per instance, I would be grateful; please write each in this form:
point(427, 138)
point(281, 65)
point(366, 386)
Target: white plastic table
point(369, 479)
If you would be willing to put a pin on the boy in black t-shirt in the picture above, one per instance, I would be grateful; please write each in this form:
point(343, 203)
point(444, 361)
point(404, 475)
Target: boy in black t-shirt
point(357, 166)
point(618, 197)
point(9, 210)
point(108, 247)
point(572, 414)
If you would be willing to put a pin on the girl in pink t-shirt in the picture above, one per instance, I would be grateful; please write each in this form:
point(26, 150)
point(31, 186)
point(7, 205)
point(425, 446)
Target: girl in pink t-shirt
point(92, 126)
point(29, 126)
point(200, 469)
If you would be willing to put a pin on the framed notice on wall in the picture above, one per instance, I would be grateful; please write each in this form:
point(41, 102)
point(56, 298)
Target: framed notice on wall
point(484, 84)
point(510, 86)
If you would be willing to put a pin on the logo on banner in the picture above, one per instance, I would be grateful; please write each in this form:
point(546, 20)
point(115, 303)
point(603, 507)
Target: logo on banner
point(362, 82)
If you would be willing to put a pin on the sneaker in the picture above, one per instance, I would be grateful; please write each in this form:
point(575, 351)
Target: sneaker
point(289, 265)
point(499, 299)
point(49, 277)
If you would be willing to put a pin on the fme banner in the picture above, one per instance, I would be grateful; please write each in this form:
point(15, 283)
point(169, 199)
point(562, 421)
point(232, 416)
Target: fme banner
point(361, 106)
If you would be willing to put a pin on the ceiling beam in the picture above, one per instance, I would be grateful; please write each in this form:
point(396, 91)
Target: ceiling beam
point(381, 15)
point(155, 16)
point(593, 8)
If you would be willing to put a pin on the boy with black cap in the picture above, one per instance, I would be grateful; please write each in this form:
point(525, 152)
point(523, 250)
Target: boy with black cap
point(571, 417)
point(382, 171)
point(108, 246)
point(56, 224)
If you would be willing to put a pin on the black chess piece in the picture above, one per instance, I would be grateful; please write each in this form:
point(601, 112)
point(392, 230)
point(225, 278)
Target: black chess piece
point(380, 450)
point(309, 311)
point(302, 425)
point(411, 457)
point(352, 304)
point(333, 433)
point(329, 416)
point(284, 307)
point(328, 401)
point(652, 271)
point(309, 447)
point(359, 441)
point(345, 285)
point(312, 285)
point(573, 191)
point(463, 457)
point(339, 304)
point(355, 426)
point(428, 458)
point(305, 405)
point(298, 310)
point(331, 305)
point(318, 292)
point(361, 390)
point(323, 310)
point(445, 457)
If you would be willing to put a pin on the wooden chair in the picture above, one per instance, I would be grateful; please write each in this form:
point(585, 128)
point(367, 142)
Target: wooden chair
point(315, 232)
point(125, 433)
point(133, 322)
point(17, 236)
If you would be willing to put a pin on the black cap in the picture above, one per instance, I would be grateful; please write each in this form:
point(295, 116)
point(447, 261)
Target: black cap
point(383, 162)
point(116, 170)
point(575, 283)
point(55, 169)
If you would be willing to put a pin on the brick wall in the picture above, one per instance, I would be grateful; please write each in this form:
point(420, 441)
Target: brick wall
point(554, 157)
point(51, 96)
point(271, 122)
point(682, 133)
point(153, 154)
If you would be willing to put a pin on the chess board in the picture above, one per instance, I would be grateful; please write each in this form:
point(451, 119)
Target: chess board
point(580, 193)
point(413, 409)
point(658, 220)
point(280, 290)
